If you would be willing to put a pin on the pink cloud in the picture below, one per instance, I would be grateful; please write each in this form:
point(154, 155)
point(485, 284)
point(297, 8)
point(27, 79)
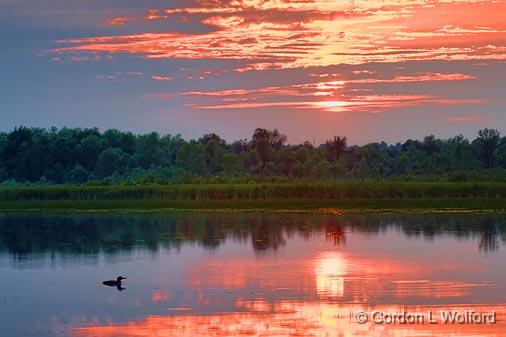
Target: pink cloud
point(292, 33)
point(117, 21)
point(79, 58)
point(162, 78)
point(370, 103)
point(473, 119)
point(333, 94)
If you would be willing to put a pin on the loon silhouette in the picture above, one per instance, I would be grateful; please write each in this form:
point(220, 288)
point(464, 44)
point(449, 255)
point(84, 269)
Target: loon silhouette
point(115, 283)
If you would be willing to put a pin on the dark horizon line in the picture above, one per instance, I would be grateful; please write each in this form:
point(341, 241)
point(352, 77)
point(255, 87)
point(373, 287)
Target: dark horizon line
point(228, 142)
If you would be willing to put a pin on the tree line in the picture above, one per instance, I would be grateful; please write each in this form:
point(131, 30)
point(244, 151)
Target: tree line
point(77, 156)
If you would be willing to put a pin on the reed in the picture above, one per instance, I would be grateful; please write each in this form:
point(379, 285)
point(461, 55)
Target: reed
point(320, 205)
point(324, 190)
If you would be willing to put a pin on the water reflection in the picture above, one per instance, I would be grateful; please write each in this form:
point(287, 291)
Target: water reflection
point(23, 235)
point(247, 274)
point(330, 271)
point(295, 319)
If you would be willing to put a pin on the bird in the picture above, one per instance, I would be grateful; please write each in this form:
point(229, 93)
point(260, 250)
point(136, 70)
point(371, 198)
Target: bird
point(115, 283)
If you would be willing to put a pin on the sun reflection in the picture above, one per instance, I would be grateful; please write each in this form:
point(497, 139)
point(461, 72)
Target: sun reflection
point(298, 319)
point(330, 270)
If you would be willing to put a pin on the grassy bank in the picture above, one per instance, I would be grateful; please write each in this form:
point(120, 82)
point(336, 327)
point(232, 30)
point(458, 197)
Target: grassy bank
point(329, 190)
point(327, 205)
point(346, 195)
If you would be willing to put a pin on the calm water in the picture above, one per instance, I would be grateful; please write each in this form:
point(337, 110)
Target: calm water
point(197, 274)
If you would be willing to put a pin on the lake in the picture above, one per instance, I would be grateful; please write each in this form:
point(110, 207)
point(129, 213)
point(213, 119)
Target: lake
point(252, 274)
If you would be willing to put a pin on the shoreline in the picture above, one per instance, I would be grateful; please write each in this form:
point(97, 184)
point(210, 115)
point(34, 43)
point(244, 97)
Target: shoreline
point(329, 206)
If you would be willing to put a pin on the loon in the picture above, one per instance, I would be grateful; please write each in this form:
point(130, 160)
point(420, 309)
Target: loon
point(114, 283)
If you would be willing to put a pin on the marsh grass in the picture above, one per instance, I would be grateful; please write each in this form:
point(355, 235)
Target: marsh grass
point(330, 190)
point(346, 195)
point(320, 205)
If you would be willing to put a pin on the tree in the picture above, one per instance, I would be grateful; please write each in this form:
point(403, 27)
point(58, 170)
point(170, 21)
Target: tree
point(78, 175)
point(430, 145)
point(501, 153)
point(462, 154)
point(486, 144)
point(277, 139)
point(45, 156)
point(148, 150)
point(274, 137)
point(231, 164)
point(264, 150)
point(192, 157)
point(110, 161)
point(334, 148)
point(205, 139)
point(214, 156)
point(88, 151)
point(260, 134)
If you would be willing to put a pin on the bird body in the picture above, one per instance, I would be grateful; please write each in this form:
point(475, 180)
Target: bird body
point(114, 283)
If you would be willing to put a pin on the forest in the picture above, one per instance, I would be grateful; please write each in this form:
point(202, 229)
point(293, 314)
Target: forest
point(39, 156)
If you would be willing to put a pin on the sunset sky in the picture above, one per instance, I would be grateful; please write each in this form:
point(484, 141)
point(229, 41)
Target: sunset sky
point(370, 70)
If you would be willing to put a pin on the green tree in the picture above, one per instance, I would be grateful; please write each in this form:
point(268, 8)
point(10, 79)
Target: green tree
point(192, 157)
point(334, 148)
point(231, 164)
point(486, 144)
point(501, 153)
point(110, 161)
point(264, 150)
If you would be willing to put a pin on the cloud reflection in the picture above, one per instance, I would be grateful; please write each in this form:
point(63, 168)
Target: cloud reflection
point(296, 319)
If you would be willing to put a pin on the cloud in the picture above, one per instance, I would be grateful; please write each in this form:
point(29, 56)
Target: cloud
point(420, 77)
point(270, 34)
point(117, 21)
point(162, 78)
point(473, 119)
point(333, 94)
point(369, 103)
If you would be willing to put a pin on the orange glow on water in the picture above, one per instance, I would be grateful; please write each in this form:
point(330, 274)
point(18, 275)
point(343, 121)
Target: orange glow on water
point(330, 271)
point(315, 290)
point(159, 295)
point(298, 319)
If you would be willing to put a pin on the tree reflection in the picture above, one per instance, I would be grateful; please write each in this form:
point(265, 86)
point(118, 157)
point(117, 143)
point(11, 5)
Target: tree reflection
point(28, 234)
point(334, 232)
point(488, 236)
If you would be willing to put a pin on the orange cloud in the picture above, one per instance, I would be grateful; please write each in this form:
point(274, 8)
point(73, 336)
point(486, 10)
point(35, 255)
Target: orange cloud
point(333, 94)
point(162, 78)
point(469, 119)
point(420, 77)
point(117, 21)
point(271, 34)
point(372, 103)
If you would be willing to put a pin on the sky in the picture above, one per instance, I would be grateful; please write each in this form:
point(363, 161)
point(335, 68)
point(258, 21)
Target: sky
point(369, 70)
